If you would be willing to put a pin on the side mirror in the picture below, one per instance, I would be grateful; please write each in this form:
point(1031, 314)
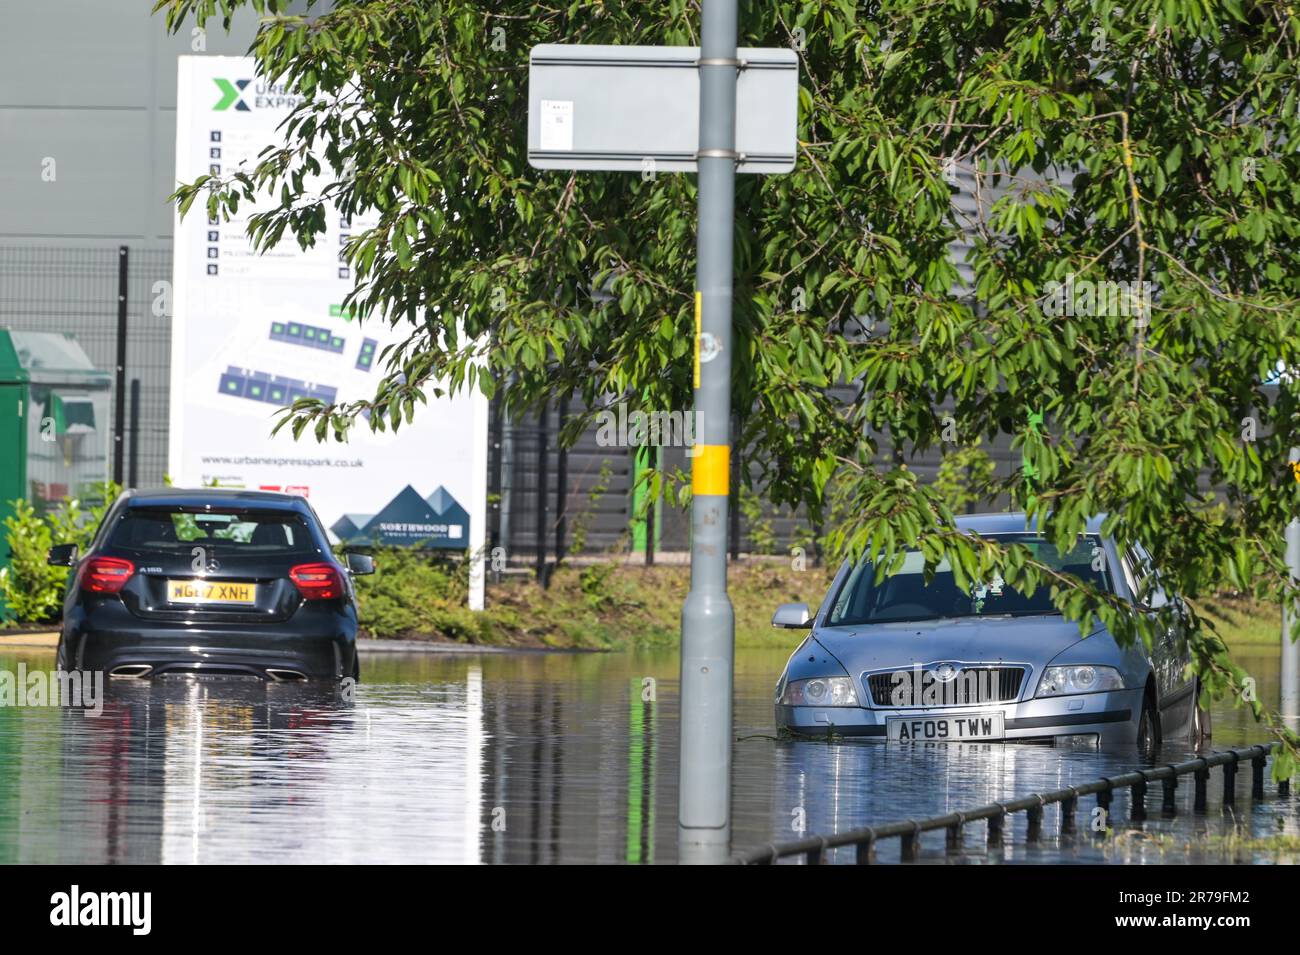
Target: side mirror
point(359, 564)
point(62, 555)
point(792, 617)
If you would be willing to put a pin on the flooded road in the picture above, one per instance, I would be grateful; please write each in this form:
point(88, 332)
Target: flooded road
point(526, 758)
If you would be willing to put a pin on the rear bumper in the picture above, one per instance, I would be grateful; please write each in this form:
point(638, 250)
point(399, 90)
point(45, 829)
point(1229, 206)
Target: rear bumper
point(1112, 717)
point(318, 645)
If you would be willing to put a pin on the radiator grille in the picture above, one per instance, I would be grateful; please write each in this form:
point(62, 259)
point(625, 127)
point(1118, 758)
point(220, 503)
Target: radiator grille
point(970, 686)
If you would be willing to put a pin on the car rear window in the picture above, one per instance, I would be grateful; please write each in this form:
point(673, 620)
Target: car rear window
point(251, 532)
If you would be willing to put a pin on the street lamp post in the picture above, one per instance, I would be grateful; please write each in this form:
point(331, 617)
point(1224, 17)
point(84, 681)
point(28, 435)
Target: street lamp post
point(708, 622)
point(1290, 701)
point(579, 98)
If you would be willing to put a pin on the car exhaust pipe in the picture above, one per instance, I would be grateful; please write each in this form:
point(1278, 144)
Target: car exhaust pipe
point(285, 676)
point(134, 670)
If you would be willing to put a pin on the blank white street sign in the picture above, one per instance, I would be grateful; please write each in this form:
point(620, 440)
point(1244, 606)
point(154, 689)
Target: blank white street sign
point(597, 107)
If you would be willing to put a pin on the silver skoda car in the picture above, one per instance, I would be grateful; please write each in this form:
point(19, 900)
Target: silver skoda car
point(908, 661)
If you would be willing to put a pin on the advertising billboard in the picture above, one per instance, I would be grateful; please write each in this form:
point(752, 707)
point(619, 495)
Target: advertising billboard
point(254, 332)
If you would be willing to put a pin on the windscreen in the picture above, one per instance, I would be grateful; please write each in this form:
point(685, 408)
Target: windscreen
point(906, 596)
point(230, 533)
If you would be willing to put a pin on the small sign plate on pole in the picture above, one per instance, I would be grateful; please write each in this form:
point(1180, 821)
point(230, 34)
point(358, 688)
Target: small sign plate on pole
point(594, 107)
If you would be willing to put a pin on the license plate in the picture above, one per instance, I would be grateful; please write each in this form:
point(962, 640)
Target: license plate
point(955, 728)
point(210, 592)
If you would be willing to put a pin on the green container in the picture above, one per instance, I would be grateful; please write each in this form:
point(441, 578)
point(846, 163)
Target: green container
point(55, 423)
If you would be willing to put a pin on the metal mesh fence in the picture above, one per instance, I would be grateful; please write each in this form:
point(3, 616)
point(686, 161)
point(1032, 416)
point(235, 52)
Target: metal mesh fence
point(75, 291)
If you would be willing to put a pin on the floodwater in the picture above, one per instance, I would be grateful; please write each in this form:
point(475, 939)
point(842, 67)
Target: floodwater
point(530, 758)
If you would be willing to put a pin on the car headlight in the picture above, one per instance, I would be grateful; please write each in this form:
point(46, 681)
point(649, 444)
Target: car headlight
point(820, 691)
point(1063, 681)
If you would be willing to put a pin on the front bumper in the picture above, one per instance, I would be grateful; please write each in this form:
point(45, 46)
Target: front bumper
point(320, 645)
point(1113, 717)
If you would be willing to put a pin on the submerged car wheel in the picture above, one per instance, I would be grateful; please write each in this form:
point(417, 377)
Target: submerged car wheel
point(1148, 734)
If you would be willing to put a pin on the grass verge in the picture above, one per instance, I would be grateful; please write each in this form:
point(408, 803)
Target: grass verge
point(615, 606)
point(606, 606)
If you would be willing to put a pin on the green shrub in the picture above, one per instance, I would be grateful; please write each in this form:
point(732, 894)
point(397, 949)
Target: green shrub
point(415, 592)
point(30, 590)
point(593, 582)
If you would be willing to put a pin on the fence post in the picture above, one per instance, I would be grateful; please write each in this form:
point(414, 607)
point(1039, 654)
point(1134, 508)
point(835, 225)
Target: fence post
point(119, 386)
point(953, 840)
point(1230, 781)
point(733, 515)
point(866, 851)
point(1169, 802)
point(1103, 803)
point(1034, 817)
point(1138, 797)
point(133, 471)
point(650, 516)
point(561, 481)
point(995, 828)
point(1067, 813)
point(907, 845)
point(506, 483)
point(541, 497)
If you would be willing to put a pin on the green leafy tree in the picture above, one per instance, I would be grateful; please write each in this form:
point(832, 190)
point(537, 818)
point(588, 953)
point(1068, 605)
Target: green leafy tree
point(1144, 141)
point(965, 478)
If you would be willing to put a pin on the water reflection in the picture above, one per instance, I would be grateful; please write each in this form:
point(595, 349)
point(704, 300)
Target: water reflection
point(531, 758)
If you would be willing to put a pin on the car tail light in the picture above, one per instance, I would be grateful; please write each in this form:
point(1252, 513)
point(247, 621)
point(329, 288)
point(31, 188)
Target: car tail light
point(317, 581)
point(106, 575)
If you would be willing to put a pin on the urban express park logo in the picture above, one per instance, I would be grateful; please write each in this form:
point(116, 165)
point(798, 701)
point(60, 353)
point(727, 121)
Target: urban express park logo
point(236, 93)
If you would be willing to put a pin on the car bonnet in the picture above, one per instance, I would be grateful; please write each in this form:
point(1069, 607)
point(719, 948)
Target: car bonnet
point(1031, 640)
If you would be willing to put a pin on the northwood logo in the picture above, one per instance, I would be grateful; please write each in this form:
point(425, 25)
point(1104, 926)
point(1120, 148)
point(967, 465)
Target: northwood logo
point(231, 94)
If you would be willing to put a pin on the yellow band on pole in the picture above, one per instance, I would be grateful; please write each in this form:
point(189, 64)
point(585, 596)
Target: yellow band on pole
point(699, 303)
point(711, 470)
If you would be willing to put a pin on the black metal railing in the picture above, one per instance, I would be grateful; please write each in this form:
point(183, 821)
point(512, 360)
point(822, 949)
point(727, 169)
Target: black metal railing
point(909, 831)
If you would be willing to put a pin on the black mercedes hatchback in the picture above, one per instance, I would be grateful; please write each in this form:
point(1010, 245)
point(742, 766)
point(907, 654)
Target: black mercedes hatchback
point(213, 582)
